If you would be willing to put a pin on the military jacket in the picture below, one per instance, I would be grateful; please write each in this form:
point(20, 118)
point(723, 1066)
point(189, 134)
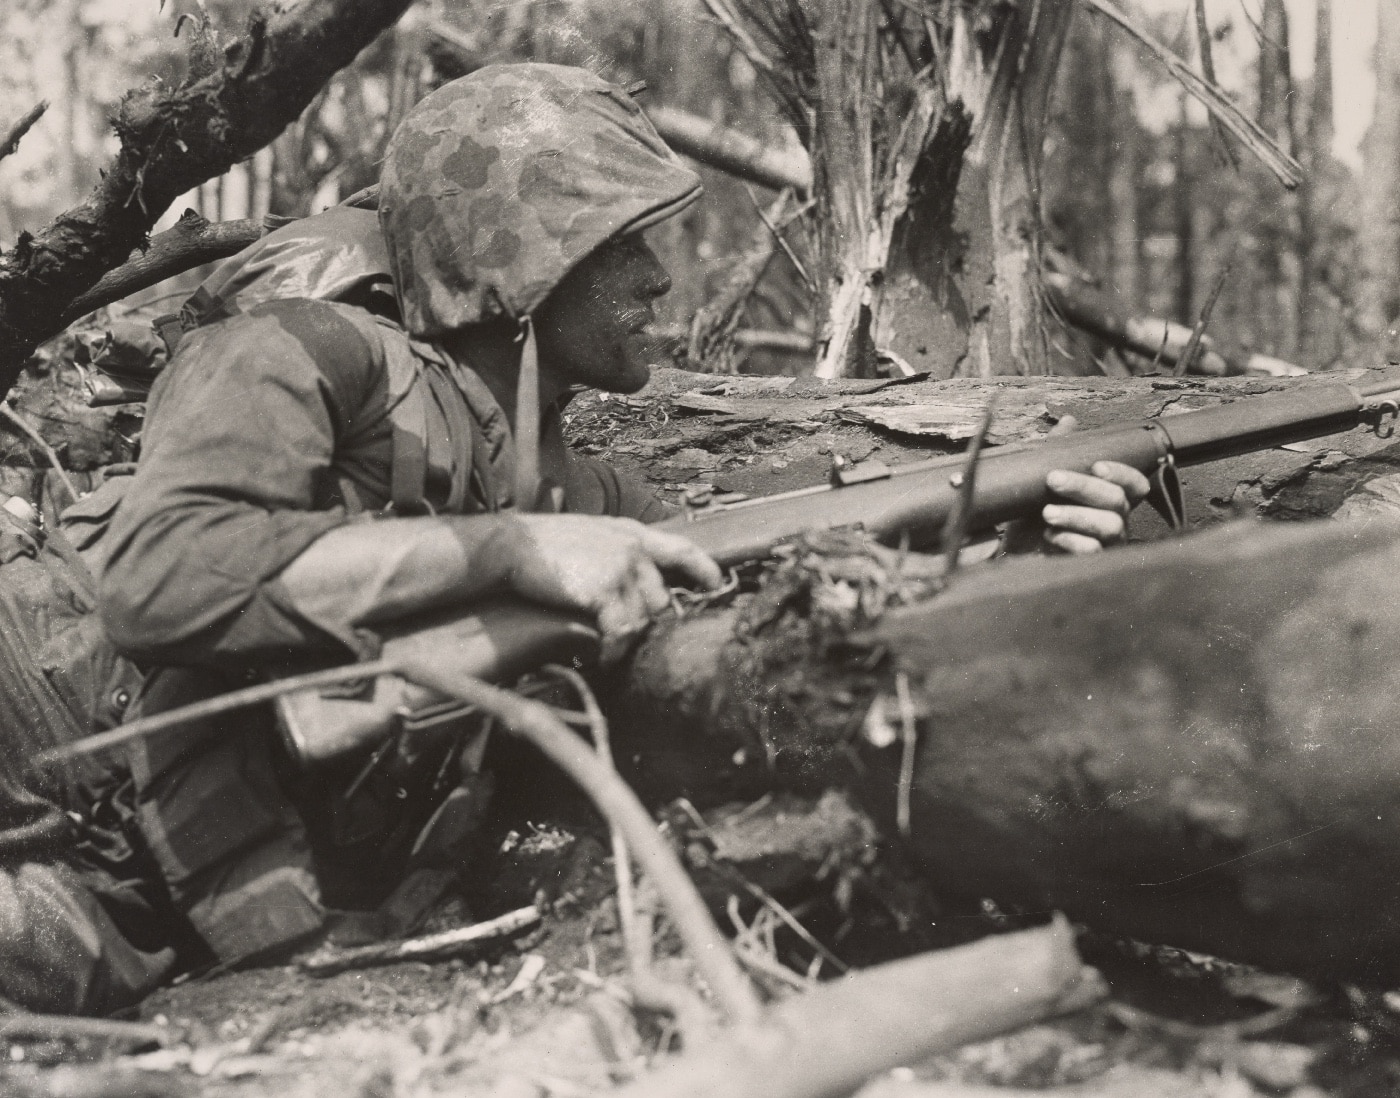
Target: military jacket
point(273, 426)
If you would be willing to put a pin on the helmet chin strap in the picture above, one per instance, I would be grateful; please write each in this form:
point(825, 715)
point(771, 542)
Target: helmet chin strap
point(527, 421)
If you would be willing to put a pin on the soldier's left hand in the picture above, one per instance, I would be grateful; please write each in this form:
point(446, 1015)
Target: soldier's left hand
point(1091, 511)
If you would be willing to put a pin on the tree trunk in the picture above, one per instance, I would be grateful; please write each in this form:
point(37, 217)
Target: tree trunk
point(1312, 214)
point(1189, 742)
point(1276, 115)
point(1378, 289)
point(1184, 217)
point(1125, 176)
point(961, 292)
point(1275, 281)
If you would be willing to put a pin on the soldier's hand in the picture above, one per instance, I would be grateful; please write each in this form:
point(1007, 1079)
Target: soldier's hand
point(1093, 508)
point(609, 567)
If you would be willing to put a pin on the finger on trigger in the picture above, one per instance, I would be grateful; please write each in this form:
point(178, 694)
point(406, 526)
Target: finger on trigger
point(1090, 491)
point(1093, 521)
point(682, 555)
point(1134, 483)
point(1074, 544)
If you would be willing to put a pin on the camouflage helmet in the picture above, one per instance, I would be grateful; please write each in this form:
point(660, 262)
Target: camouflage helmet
point(497, 184)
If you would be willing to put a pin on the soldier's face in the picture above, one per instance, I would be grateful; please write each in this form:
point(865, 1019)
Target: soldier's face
point(595, 328)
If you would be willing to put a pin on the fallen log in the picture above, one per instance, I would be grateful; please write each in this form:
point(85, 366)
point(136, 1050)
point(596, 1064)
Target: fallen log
point(1190, 742)
point(1097, 313)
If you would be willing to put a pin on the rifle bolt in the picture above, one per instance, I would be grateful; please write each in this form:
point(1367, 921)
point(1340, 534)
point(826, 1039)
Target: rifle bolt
point(956, 480)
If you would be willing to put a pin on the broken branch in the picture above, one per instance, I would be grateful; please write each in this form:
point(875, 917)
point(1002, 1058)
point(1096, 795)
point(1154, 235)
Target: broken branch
point(429, 947)
point(191, 242)
point(23, 126)
point(834, 1038)
point(173, 140)
point(1249, 133)
point(731, 151)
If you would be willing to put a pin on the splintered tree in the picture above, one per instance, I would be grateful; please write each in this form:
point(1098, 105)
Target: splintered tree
point(924, 127)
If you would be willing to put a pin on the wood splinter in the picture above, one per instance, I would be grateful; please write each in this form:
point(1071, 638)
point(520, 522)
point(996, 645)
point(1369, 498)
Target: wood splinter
point(434, 947)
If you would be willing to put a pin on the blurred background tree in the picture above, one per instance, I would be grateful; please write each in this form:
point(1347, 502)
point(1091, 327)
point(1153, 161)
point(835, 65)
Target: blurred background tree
point(1135, 193)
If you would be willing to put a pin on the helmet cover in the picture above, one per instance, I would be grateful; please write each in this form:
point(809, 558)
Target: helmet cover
point(497, 184)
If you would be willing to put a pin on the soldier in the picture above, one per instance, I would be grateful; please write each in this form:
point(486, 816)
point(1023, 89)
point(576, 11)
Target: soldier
point(312, 470)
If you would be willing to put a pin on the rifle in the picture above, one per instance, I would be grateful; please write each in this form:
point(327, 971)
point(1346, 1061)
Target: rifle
point(501, 640)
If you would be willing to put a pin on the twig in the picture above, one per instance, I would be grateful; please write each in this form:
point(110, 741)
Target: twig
point(1161, 350)
point(909, 734)
point(1246, 130)
point(1193, 345)
point(788, 919)
point(778, 237)
point(22, 127)
point(211, 707)
point(955, 530)
point(772, 904)
point(751, 50)
point(1222, 142)
point(446, 943)
point(8, 411)
point(534, 722)
point(57, 1027)
point(757, 961)
point(637, 949)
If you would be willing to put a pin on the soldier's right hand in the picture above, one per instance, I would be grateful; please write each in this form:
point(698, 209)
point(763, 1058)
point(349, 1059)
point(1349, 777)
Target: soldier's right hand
point(609, 567)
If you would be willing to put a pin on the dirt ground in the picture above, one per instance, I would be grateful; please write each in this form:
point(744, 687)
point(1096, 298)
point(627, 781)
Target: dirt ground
point(547, 1012)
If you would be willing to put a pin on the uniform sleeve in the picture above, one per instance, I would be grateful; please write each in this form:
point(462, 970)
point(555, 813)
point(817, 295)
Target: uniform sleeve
point(237, 452)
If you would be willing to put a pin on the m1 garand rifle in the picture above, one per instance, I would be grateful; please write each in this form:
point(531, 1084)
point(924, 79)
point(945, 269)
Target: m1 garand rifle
point(502, 640)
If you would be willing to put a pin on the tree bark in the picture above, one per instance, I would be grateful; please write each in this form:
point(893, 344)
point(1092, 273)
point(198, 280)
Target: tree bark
point(1276, 114)
point(1378, 290)
point(961, 292)
point(1314, 321)
point(1276, 275)
point(173, 141)
point(1184, 223)
point(1189, 742)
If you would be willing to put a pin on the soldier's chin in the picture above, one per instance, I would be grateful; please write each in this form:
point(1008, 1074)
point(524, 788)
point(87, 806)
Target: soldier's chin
point(635, 377)
point(626, 374)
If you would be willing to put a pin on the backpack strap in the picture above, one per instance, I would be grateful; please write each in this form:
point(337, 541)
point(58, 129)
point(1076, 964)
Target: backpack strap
point(420, 377)
point(408, 418)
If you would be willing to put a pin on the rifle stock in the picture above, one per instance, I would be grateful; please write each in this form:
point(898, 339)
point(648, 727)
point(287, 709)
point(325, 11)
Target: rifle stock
point(503, 640)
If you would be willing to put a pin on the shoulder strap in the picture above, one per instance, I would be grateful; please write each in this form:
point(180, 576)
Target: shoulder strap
point(418, 374)
point(408, 418)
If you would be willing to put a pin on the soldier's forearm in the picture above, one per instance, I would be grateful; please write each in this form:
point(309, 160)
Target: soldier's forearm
point(370, 572)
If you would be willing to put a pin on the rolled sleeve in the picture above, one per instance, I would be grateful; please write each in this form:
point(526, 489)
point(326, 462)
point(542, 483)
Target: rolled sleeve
point(238, 457)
